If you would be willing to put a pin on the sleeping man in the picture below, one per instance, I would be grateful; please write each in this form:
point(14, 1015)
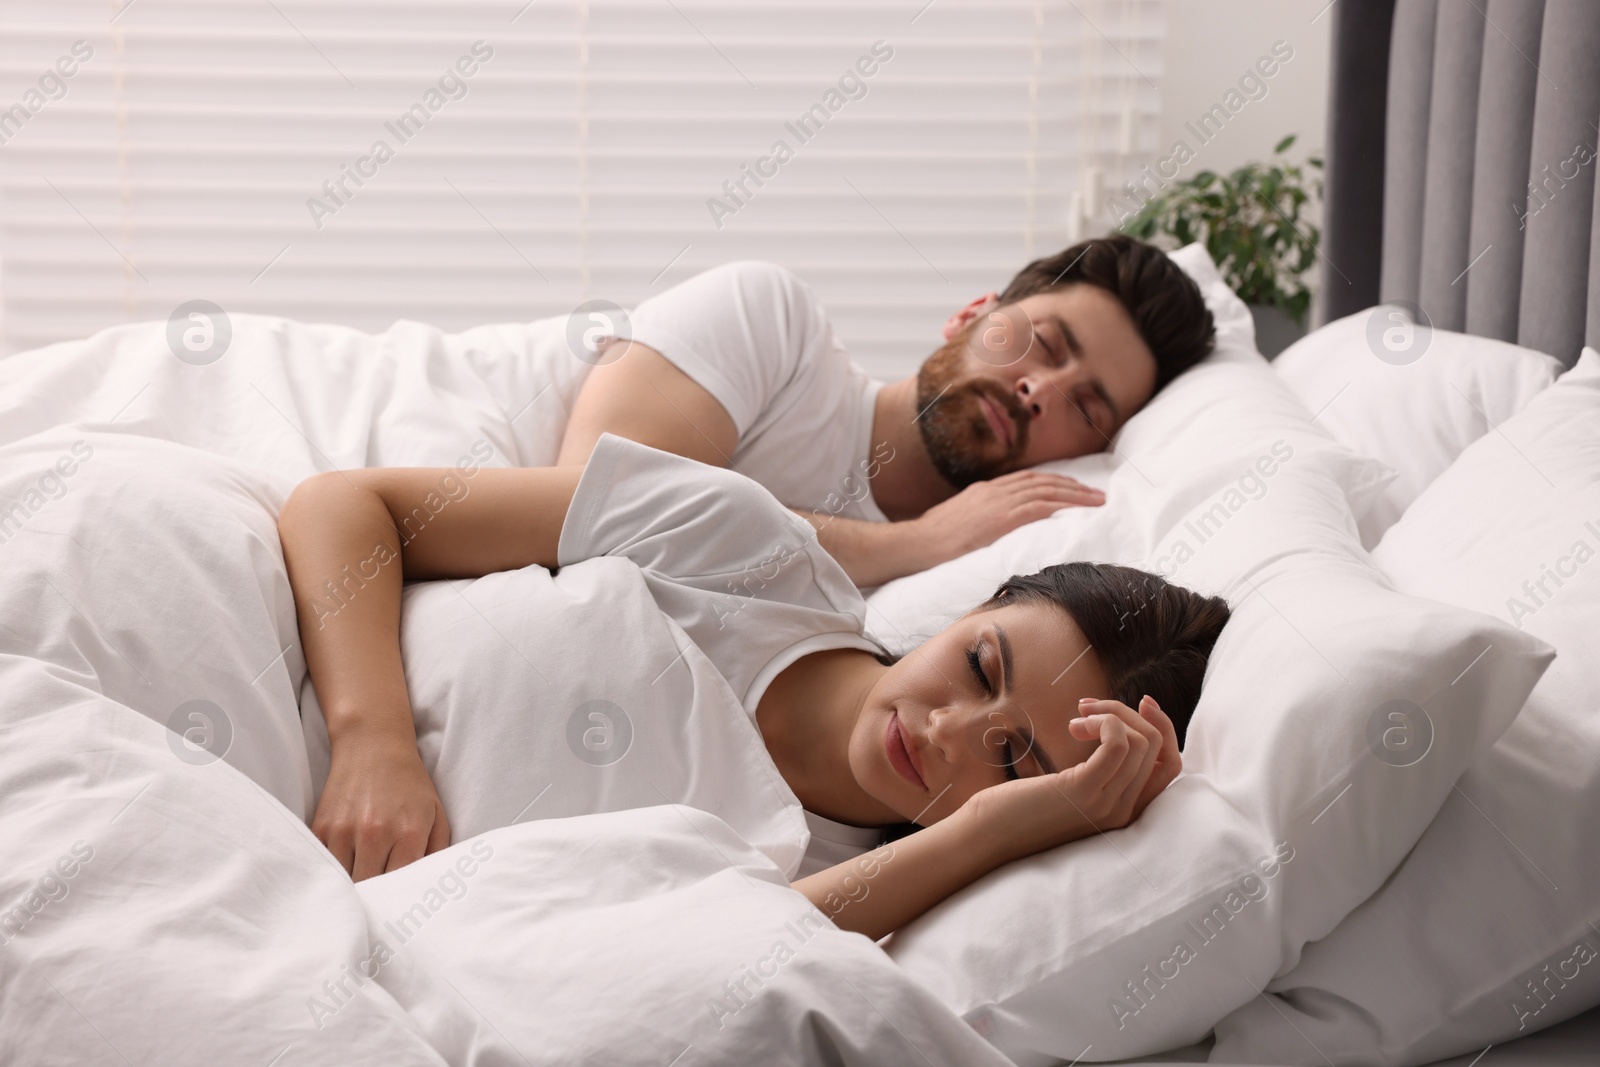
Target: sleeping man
point(738, 367)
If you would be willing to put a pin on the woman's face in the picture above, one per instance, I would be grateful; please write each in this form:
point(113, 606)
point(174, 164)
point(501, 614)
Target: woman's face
point(987, 700)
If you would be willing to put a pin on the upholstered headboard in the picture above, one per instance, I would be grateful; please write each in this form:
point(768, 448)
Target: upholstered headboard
point(1463, 142)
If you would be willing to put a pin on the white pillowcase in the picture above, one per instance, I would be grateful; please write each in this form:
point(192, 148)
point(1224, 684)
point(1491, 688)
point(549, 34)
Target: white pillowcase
point(648, 938)
point(154, 910)
point(1488, 930)
point(1287, 815)
point(1193, 438)
point(1411, 396)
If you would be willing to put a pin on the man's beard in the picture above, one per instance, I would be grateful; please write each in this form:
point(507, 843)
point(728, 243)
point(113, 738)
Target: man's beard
point(955, 432)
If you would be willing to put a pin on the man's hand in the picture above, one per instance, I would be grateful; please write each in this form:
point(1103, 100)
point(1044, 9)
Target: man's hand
point(872, 553)
point(983, 512)
point(379, 810)
point(1137, 758)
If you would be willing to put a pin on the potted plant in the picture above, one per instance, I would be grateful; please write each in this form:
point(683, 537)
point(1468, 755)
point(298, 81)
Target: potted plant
point(1251, 221)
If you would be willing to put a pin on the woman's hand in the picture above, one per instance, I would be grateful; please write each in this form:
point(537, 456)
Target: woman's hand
point(880, 892)
point(379, 810)
point(346, 557)
point(1137, 758)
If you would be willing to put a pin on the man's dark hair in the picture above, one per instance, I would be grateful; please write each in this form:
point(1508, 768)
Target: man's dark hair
point(1164, 302)
point(1150, 636)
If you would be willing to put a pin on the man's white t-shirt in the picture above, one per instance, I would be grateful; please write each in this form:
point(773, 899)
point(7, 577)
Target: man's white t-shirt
point(756, 338)
point(752, 335)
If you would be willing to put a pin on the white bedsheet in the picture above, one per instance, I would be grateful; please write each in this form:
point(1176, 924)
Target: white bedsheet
point(147, 585)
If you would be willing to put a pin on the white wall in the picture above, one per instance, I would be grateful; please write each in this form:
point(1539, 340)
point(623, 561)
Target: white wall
point(1209, 44)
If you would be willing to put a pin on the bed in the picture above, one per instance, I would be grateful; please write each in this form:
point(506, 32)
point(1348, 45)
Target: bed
point(154, 684)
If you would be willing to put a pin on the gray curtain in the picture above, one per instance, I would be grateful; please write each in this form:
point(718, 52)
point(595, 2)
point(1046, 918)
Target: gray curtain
point(1352, 210)
point(1490, 136)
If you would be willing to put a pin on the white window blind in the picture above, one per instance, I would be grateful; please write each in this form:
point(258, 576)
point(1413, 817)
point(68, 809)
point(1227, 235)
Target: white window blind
point(536, 155)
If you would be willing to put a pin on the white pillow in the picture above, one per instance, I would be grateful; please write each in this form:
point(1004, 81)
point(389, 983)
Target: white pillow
point(1193, 438)
point(159, 911)
point(1286, 817)
point(1488, 930)
point(649, 938)
point(1409, 395)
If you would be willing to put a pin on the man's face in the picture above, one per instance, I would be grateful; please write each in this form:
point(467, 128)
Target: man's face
point(1051, 376)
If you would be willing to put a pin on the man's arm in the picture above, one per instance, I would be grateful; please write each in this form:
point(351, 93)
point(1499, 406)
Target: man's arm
point(644, 397)
point(871, 553)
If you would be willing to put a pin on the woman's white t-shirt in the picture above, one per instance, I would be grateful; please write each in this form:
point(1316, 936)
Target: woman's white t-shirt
point(629, 677)
point(741, 574)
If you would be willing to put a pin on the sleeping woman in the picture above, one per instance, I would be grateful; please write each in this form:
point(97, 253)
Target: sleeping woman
point(1050, 712)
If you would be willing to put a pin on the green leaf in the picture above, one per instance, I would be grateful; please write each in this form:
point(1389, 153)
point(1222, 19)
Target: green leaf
point(1250, 221)
point(1283, 145)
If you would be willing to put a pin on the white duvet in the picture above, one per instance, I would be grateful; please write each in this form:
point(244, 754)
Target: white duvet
point(146, 628)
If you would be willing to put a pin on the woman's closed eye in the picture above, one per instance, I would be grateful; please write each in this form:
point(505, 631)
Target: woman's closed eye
point(1008, 756)
point(1012, 750)
point(975, 661)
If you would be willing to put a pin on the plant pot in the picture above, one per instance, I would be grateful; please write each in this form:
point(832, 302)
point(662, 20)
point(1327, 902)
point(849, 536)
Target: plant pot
point(1275, 330)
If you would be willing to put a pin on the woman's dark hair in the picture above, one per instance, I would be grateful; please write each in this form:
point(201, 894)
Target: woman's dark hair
point(1164, 302)
point(1149, 636)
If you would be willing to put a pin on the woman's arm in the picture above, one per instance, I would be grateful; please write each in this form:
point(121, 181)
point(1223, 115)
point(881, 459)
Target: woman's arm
point(887, 888)
point(349, 538)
